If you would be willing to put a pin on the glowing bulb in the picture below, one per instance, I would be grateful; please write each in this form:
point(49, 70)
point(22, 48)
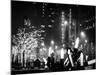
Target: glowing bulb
point(82, 34)
point(56, 47)
point(52, 42)
point(49, 26)
point(42, 44)
point(85, 41)
point(65, 22)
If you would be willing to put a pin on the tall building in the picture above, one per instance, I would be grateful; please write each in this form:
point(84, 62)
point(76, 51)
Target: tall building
point(72, 29)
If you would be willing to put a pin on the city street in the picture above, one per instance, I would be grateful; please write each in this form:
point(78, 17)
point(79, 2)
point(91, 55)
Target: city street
point(52, 37)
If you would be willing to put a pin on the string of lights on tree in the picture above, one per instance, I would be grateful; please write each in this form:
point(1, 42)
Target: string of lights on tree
point(27, 40)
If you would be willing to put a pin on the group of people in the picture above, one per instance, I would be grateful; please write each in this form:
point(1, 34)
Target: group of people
point(75, 60)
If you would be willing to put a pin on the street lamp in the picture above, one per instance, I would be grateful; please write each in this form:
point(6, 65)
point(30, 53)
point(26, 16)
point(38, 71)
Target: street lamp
point(52, 42)
point(63, 45)
point(56, 47)
point(65, 23)
point(85, 41)
point(42, 44)
point(82, 34)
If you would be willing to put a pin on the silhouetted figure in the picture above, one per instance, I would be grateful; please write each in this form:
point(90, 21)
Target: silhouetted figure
point(37, 63)
point(23, 58)
point(76, 56)
point(61, 66)
point(50, 62)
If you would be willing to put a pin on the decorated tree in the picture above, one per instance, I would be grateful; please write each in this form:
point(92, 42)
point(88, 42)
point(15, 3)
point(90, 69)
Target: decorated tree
point(26, 42)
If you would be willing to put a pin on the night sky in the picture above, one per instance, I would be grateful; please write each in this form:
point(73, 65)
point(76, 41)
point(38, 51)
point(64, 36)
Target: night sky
point(49, 14)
